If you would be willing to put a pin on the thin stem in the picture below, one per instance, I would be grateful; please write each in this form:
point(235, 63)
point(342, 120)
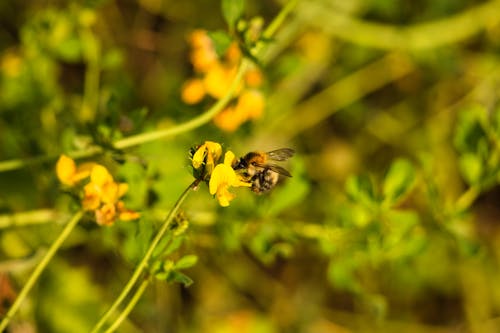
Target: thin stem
point(160, 134)
point(39, 268)
point(138, 139)
point(133, 301)
point(428, 35)
point(144, 262)
point(191, 124)
point(467, 198)
point(279, 19)
point(38, 216)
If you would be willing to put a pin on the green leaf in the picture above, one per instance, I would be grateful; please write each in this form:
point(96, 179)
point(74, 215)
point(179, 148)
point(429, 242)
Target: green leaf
point(232, 10)
point(221, 41)
point(469, 132)
point(176, 276)
point(398, 181)
point(360, 189)
point(471, 168)
point(186, 261)
point(341, 274)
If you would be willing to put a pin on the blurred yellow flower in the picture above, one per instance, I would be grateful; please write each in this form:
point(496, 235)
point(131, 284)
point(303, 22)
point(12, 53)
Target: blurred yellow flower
point(68, 173)
point(203, 54)
point(101, 194)
point(216, 76)
point(250, 106)
point(193, 91)
point(219, 79)
point(224, 177)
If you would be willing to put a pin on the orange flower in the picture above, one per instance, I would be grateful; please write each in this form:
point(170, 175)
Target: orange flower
point(193, 91)
point(203, 55)
point(250, 106)
point(106, 214)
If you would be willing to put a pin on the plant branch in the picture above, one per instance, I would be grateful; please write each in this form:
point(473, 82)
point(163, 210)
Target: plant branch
point(39, 269)
point(144, 262)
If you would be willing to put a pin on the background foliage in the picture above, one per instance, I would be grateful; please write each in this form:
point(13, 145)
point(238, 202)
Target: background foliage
point(390, 222)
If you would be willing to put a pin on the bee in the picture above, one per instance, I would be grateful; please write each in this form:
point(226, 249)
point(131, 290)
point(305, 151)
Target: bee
point(263, 176)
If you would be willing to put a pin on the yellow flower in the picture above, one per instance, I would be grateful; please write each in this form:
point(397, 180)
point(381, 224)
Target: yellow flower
point(101, 194)
point(224, 177)
point(210, 153)
point(126, 214)
point(218, 80)
point(215, 76)
point(203, 55)
point(68, 173)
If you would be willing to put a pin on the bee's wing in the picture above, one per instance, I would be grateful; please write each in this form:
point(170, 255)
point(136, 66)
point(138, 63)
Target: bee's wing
point(280, 154)
point(277, 169)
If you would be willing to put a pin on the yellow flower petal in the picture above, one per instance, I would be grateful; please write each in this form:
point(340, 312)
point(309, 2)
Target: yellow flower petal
point(209, 152)
point(65, 170)
point(228, 120)
point(222, 175)
point(251, 104)
point(229, 158)
point(224, 196)
point(100, 175)
point(91, 197)
point(83, 171)
point(126, 214)
point(109, 192)
point(193, 91)
point(199, 156)
point(122, 189)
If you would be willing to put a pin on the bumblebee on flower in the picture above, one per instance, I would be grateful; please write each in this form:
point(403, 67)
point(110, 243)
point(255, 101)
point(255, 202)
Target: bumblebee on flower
point(205, 160)
point(249, 171)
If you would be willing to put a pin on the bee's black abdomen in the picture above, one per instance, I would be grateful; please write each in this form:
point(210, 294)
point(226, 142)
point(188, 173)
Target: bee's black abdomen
point(264, 181)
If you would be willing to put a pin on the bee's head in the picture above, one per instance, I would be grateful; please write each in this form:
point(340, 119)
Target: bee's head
point(240, 163)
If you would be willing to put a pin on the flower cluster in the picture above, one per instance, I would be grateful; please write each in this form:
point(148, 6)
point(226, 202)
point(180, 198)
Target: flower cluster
point(215, 76)
point(205, 160)
point(101, 194)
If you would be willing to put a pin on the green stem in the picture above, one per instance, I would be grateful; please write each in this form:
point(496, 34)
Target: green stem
point(39, 268)
point(279, 19)
point(143, 137)
point(133, 301)
point(191, 124)
point(144, 262)
point(467, 198)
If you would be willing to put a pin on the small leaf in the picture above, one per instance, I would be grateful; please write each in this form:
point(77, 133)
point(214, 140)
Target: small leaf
point(176, 276)
point(471, 168)
point(186, 261)
point(221, 41)
point(341, 274)
point(398, 181)
point(232, 10)
point(360, 189)
point(469, 131)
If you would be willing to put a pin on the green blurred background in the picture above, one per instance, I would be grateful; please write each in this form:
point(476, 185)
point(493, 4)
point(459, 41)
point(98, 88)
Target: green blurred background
point(389, 224)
